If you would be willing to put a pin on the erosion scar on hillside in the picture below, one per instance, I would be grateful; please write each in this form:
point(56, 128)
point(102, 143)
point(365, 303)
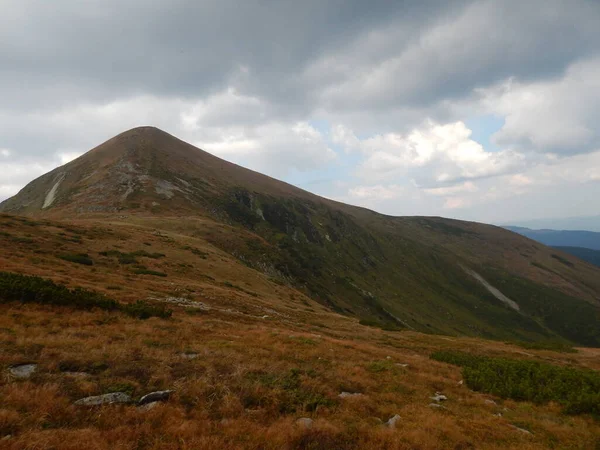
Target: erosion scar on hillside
point(492, 290)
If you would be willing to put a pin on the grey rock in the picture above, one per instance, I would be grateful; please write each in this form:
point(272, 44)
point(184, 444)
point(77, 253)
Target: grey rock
point(305, 422)
point(106, 399)
point(77, 374)
point(148, 406)
point(436, 405)
point(490, 402)
point(439, 397)
point(350, 395)
point(522, 430)
point(189, 355)
point(393, 421)
point(158, 396)
point(22, 371)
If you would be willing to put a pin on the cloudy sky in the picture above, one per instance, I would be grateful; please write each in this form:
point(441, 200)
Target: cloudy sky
point(486, 110)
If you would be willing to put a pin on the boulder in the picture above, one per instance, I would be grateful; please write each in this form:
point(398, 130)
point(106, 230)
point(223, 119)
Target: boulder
point(158, 396)
point(350, 395)
point(22, 371)
point(439, 397)
point(393, 421)
point(105, 399)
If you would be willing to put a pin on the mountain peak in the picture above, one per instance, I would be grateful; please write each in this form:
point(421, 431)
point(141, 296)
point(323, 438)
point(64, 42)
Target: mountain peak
point(141, 169)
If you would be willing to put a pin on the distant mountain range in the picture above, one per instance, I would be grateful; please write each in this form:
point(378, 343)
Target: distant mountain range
point(589, 223)
point(561, 238)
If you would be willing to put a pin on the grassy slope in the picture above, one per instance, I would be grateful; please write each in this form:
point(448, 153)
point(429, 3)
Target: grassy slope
point(394, 272)
point(254, 375)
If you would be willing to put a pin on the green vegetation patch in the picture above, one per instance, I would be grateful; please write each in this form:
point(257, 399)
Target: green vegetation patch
point(131, 258)
point(547, 345)
point(577, 390)
point(33, 289)
point(149, 272)
point(79, 258)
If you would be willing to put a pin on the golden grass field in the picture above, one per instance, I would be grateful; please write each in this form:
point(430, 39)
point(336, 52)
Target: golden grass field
point(255, 358)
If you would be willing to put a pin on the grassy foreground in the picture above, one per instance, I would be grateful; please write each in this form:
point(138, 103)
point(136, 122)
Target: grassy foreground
point(246, 357)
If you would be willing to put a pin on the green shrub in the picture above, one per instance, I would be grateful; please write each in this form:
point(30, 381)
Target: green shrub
point(145, 310)
point(131, 258)
point(33, 289)
point(577, 390)
point(149, 272)
point(79, 258)
point(549, 345)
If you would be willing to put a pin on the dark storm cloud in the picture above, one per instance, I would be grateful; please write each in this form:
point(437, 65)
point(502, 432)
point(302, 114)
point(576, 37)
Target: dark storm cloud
point(243, 74)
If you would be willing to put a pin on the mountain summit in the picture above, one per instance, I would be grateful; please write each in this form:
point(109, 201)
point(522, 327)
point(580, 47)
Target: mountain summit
point(421, 273)
point(143, 169)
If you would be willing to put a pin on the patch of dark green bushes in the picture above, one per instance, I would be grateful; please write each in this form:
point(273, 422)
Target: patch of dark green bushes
point(155, 273)
point(33, 289)
point(131, 258)
point(547, 345)
point(78, 258)
point(577, 390)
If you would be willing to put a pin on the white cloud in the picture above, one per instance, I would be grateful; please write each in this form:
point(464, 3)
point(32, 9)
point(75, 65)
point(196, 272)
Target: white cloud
point(558, 116)
point(467, 186)
point(376, 193)
point(433, 155)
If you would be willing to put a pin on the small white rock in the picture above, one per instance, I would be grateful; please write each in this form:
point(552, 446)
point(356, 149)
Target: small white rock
point(305, 422)
point(490, 402)
point(439, 397)
point(350, 395)
point(393, 421)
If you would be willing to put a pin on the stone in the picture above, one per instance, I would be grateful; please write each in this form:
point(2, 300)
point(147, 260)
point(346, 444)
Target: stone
point(439, 397)
point(23, 371)
point(148, 406)
point(305, 422)
point(350, 395)
point(189, 355)
point(461, 382)
point(490, 402)
point(522, 430)
point(77, 374)
point(436, 405)
point(105, 399)
point(393, 421)
point(401, 365)
point(158, 396)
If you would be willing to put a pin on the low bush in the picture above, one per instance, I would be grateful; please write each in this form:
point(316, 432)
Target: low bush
point(577, 390)
point(33, 289)
point(79, 258)
point(149, 272)
point(549, 345)
point(131, 258)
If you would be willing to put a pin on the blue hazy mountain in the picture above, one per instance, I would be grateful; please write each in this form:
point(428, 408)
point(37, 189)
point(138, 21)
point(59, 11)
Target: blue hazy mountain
point(561, 238)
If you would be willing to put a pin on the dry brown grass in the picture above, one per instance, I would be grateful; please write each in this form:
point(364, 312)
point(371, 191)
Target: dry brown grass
point(253, 376)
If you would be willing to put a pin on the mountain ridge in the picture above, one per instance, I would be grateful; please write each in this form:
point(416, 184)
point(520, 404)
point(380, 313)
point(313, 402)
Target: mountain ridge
point(422, 273)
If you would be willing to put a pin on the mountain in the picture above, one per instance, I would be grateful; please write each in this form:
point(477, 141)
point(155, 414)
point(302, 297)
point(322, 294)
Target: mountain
point(590, 223)
point(427, 274)
point(561, 238)
point(589, 255)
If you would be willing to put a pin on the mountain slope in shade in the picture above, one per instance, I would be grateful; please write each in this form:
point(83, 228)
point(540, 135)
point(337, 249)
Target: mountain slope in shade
point(586, 254)
point(424, 273)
